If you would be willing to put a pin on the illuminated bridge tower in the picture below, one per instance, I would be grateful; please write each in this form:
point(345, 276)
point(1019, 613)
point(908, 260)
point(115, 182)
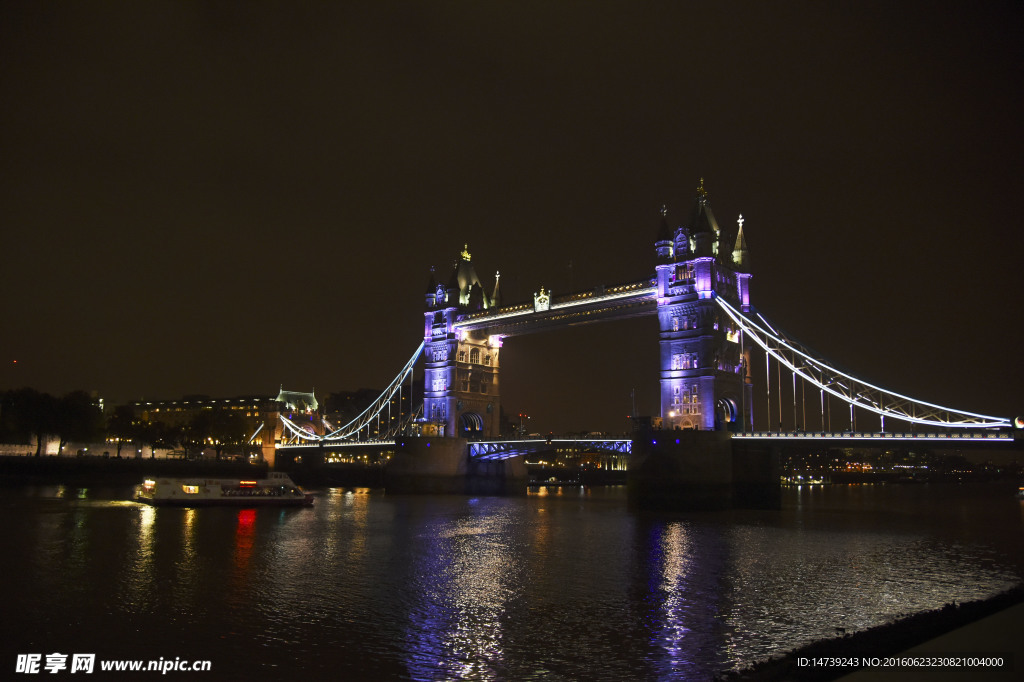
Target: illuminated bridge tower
point(460, 393)
point(705, 379)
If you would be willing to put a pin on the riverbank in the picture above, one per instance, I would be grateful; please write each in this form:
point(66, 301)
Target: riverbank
point(110, 470)
point(93, 470)
point(885, 641)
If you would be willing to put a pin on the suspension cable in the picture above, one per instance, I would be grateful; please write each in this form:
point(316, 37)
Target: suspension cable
point(864, 395)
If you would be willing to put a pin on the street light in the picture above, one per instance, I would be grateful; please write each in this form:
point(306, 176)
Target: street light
point(522, 426)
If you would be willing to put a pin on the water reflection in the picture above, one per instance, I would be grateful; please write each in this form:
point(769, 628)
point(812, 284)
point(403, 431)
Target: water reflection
point(684, 564)
point(550, 490)
point(467, 573)
point(314, 567)
point(244, 530)
point(187, 566)
point(556, 586)
point(675, 566)
point(353, 511)
point(138, 582)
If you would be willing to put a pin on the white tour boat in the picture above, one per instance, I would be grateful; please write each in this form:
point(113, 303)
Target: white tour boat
point(275, 491)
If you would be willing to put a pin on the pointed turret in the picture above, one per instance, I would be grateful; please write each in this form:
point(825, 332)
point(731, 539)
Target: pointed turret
point(740, 253)
point(663, 246)
point(433, 293)
point(463, 281)
point(477, 297)
point(496, 296)
point(453, 284)
point(702, 226)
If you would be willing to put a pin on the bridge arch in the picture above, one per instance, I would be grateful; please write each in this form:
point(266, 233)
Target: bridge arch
point(726, 412)
point(471, 423)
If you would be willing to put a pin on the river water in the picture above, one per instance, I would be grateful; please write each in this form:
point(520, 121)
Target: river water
point(560, 584)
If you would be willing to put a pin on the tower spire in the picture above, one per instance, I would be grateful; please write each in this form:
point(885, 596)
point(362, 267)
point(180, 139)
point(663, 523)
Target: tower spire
point(740, 253)
point(702, 226)
point(497, 291)
point(663, 245)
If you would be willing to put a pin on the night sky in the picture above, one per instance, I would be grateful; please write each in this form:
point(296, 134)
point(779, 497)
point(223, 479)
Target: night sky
point(222, 198)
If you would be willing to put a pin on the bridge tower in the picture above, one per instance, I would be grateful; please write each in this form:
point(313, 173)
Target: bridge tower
point(705, 368)
point(460, 392)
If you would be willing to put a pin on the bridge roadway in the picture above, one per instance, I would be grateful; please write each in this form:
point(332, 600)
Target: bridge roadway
point(505, 448)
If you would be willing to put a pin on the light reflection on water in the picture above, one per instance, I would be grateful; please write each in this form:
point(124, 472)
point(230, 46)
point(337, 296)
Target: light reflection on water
point(564, 583)
point(138, 580)
point(468, 574)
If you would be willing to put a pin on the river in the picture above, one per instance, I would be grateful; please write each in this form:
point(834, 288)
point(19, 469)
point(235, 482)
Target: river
point(560, 584)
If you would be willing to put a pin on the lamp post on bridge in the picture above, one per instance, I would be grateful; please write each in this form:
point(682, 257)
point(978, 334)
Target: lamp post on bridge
point(522, 425)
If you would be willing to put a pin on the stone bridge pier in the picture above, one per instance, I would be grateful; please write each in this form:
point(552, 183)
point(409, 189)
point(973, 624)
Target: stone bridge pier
point(696, 470)
point(442, 465)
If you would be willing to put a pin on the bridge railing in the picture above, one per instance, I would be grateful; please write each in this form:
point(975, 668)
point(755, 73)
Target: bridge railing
point(996, 436)
point(487, 450)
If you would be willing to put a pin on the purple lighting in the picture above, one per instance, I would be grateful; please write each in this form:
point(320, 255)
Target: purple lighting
point(699, 350)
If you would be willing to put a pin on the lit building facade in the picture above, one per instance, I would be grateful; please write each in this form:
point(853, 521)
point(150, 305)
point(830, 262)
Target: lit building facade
point(182, 411)
point(460, 394)
point(259, 413)
point(705, 369)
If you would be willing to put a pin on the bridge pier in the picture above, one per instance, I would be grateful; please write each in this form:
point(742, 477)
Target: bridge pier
point(757, 471)
point(698, 470)
point(443, 466)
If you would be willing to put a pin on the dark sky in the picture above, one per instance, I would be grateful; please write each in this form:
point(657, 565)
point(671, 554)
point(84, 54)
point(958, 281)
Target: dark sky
point(220, 198)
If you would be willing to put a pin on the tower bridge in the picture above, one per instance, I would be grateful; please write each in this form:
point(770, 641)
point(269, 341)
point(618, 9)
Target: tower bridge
point(708, 331)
